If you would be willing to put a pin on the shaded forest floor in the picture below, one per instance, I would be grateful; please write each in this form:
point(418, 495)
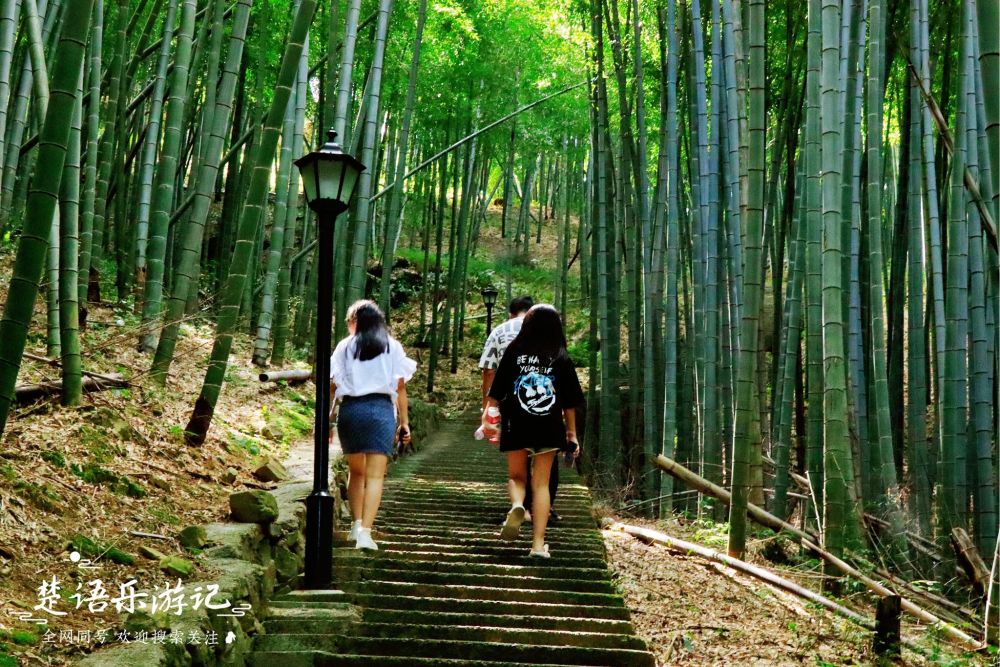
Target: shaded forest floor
point(694, 612)
point(89, 477)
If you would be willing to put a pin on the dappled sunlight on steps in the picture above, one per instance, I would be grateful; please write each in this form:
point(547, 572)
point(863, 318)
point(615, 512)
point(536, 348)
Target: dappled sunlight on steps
point(443, 589)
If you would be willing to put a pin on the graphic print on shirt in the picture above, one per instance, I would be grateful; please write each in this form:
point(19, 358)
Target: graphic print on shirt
point(534, 388)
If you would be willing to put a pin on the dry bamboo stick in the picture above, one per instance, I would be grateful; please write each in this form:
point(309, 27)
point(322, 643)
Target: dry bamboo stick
point(763, 574)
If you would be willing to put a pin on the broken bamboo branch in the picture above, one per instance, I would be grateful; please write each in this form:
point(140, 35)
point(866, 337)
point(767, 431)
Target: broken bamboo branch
point(970, 560)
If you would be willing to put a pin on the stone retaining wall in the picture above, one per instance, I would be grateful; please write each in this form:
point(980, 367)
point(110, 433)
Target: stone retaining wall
point(250, 563)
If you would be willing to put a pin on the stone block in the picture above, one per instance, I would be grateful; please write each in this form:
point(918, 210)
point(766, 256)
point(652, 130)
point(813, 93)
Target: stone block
point(253, 506)
point(271, 471)
point(193, 537)
point(286, 562)
point(147, 655)
point(233, 540)
point(175, 566)
point(151, 553)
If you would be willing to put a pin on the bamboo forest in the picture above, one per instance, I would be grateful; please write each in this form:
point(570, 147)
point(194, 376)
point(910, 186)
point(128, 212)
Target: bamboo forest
point(769, 230)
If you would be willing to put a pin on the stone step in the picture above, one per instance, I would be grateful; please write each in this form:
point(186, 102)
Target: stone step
point(351, 557)
point(323, 659)
point(494, 490)
point(463, 592)
point(401, 568)
point(452, 503)
point(554, 535)
point(459, 521)
point(521, 557)
point(564, 506)
point(487, 544)
point(495, 607)
point(358, 576)
point(284, 658)
point(456, 650)
point(477, 630)
point(570, 623)
point(302, 604)
point(334, 613)
point(501, 634)
point(497, 547)
point(331, 595)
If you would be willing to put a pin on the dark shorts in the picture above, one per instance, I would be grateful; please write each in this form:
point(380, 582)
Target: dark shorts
point(367, 424)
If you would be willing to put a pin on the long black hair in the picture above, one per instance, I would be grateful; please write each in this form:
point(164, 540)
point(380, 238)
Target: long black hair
point(541, 333)
point(371, 335)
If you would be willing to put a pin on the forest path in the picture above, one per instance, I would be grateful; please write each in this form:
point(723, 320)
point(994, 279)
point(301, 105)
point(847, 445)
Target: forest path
point(443, 589)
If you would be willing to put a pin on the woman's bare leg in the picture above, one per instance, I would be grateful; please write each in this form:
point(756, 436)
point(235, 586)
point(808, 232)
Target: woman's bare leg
point(356, 484)
point(541, 467)
point(517, 475)
point(374, 475)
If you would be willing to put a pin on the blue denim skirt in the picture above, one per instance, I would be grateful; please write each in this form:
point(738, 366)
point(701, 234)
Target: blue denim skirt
point(367, 424)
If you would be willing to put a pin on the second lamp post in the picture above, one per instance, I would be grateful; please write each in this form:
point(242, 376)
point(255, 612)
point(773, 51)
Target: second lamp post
point(489, 300)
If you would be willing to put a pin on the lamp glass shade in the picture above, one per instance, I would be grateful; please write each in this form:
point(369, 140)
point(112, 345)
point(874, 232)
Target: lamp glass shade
point(328, 175)
point(349, 178)
point(308, 172)
point(489, 296)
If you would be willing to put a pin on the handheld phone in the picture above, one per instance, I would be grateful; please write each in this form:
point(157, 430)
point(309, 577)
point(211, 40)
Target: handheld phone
point(568, 457)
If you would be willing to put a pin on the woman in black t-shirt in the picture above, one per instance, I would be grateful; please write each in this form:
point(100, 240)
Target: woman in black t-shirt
point(537, 391)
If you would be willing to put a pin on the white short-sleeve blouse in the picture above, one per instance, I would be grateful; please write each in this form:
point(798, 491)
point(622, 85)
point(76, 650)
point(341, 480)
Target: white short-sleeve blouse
point(379, 375)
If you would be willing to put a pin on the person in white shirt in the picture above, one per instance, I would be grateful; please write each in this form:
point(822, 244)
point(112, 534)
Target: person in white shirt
point(369, 370)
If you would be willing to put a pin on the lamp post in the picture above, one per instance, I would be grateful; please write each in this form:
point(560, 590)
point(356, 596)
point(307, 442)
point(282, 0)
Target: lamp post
point(328, 178)
point(489, 300)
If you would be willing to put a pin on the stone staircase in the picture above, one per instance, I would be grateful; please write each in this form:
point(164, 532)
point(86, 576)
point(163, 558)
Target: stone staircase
point(443, 589)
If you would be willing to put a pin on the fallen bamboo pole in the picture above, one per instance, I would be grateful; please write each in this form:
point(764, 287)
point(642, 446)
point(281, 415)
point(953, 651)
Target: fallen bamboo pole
point(774, 523)
point(29, 392)
point(58, 364)
point(288, 376)
point(685, 547)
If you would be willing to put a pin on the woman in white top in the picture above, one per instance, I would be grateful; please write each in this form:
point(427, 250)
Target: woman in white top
point(369, 371)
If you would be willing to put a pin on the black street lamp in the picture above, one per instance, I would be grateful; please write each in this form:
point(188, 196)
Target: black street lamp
point(328, 178)
point(489, 300)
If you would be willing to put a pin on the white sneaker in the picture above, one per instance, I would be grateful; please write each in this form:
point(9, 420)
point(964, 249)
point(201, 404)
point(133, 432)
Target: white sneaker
point(355, 531)
point(511, 527)
point(544, 553)
point(365, 540)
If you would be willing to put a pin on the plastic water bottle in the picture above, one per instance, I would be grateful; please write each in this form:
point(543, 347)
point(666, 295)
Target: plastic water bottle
point(493, 419)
